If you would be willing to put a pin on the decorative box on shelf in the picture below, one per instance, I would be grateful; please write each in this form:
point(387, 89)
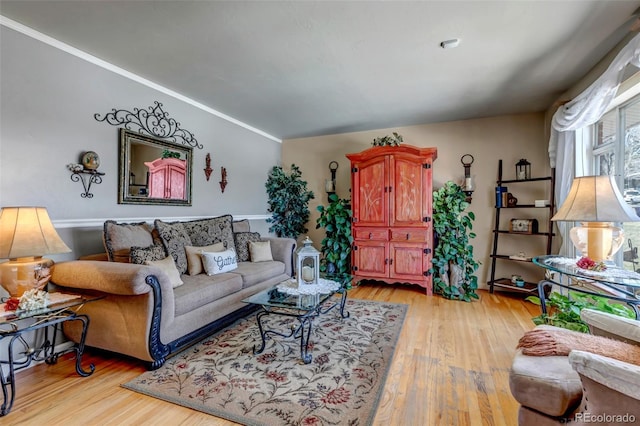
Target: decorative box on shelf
point(523, 226)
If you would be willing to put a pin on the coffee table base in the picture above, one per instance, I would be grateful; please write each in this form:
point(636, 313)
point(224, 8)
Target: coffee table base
point(303, 329)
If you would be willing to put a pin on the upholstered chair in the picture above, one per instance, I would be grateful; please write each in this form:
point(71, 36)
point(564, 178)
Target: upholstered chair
point(582, 388)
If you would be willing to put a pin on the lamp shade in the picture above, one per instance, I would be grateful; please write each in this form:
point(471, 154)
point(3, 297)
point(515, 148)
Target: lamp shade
point(28, 231)
point(595, 199)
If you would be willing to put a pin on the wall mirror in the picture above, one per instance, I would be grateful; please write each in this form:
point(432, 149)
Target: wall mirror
point(153, 171)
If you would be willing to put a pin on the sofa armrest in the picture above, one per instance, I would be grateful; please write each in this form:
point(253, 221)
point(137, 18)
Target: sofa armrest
point(613, 326)
point(617, 375)
point(107, 277)
point(282, 250)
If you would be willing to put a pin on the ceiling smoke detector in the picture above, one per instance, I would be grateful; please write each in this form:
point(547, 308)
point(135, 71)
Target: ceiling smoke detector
point(450, 44)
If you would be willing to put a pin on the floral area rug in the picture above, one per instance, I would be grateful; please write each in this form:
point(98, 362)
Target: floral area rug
point(341, 386)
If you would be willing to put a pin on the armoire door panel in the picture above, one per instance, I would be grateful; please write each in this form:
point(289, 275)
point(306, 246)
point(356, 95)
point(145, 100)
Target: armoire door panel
point(370, 200)
point(408, 207)
point(407, 261)
point(371, 258)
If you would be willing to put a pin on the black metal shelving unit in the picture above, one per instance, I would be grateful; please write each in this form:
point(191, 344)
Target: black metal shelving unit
point(502, 282)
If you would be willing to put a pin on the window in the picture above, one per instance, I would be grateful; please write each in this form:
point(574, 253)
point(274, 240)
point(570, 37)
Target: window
point(616, 151)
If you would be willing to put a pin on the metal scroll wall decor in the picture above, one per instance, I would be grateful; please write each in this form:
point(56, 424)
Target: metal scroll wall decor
point(153, 121)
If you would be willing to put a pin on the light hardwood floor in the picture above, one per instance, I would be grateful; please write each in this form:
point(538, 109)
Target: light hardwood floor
point(450, 367)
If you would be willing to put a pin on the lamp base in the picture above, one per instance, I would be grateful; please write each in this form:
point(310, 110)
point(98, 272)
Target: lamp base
point(599, 241)
point(25, 273)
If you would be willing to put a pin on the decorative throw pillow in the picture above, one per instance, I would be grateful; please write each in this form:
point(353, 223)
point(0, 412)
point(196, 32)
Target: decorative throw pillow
point(118, 238)
point(174, 239)
point(217, 263)
point(205, 232)
point(140, 255)
point(260, 251)
point(194, 260)
point(168, 266)
point(242, 244)
point(241, 225)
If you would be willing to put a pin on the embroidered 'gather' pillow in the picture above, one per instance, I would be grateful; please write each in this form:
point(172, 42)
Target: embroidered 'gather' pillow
point(219, 262)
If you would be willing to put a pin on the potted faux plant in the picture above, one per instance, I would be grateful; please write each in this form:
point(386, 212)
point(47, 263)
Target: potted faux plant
point(335, 218)
point(387, 140)
point(288, 202)
point(453, 265)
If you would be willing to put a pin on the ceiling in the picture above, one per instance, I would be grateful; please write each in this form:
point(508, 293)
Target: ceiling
point(306, 68)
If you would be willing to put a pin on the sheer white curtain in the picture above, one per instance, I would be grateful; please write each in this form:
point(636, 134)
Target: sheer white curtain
point(584, 110)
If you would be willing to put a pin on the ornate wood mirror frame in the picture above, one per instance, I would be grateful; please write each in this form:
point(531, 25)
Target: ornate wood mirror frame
point(153, 171)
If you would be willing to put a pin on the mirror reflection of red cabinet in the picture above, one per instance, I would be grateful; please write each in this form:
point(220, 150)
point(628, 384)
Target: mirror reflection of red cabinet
point(167, 178)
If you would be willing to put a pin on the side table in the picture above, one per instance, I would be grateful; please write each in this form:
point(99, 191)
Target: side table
point(614, 283)
point(63, 308)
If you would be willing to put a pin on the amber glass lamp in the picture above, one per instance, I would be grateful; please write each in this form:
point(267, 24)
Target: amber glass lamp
point(27, 234)
point(596, 202)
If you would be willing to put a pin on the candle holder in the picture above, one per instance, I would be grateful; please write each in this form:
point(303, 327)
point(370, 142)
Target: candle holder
point(330, 184)
point(308, 263)
point(523, 169)
point(468, 186)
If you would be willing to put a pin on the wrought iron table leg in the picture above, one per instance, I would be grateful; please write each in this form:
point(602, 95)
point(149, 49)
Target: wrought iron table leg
point(343, 302)
point(80, 347)
point(8, 381)
point(263, 334)
point(304, 338)
point(541, 294)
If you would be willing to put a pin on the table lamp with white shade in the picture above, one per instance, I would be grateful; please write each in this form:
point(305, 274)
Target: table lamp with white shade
point(27, 234)
point(596, 202)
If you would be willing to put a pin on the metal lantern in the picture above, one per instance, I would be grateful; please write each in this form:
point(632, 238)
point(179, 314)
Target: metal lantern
point(523, 169)
point(308, 263)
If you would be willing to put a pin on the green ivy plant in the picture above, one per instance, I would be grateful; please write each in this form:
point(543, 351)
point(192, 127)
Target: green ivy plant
point(394, 140)
point(564, 311)
point(335, 218)
point(288, 202)
point(452, 226)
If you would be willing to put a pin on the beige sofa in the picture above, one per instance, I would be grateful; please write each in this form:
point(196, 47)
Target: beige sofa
point(141, 314)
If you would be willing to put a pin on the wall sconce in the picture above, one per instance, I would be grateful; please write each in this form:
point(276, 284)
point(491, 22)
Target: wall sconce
point(467, 187)
point(330, 184)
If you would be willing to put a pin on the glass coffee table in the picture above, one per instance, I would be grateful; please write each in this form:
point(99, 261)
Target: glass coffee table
point(303, 304)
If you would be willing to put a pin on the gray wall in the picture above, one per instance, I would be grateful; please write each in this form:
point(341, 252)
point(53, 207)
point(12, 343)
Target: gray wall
point(47, 101)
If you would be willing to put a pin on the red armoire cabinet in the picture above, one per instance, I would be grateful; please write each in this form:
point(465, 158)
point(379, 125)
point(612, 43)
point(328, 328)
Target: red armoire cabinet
point(391, 193)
